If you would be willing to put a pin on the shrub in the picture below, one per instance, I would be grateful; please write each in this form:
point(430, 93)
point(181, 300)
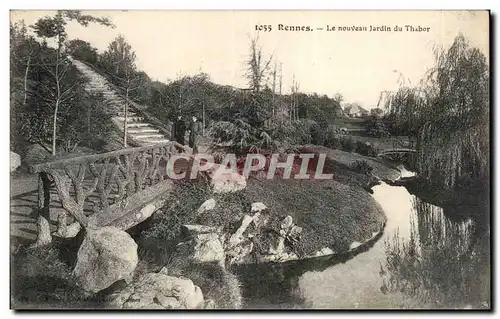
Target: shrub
point(332, 139)
point(365, 149)
point(377, 128)
point(361, 166)
point(294, 133)
point(241, 137)
point(348, 144)
point(40, 276)
point(317, 134)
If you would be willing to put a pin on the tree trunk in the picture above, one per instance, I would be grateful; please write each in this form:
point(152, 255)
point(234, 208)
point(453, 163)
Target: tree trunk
point(26, 80)
point(125, 120)
point(43, 226)
point(58, 86)
point(54, 129)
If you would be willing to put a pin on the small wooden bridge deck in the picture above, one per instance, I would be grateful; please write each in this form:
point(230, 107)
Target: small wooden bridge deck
point(396, 151)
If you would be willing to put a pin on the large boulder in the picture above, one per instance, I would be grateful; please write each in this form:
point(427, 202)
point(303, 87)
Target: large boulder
point(203, 244)
point(15, 161)
point(225, 180)
point(106, 256)
point(159, 291)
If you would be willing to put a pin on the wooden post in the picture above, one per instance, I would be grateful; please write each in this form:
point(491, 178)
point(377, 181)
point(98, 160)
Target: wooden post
point(44, 237)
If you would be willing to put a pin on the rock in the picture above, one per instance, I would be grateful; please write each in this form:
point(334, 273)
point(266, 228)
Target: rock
point(286, 257)
point(226, 182)
point(256, 219)
point(207, 205)
point(287, 222)
point(209, 304)
point(69, 232)
point(106, 256)
point(279, 247)
point(237, 254)
point(324, 252)
point(204, 248)
point(236, 238)
point(159, 291)
point(295, 231)
point(15, 161)
point(258, 207)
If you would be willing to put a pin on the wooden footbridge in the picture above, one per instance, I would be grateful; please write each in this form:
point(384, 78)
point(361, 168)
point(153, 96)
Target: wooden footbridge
point(392, 151)
point(120, 188)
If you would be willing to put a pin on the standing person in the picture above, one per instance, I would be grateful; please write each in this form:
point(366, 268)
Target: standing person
point(179, 130)
point(195, 130)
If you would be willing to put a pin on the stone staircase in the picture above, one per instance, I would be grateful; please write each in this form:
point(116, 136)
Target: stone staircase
point(139, 131)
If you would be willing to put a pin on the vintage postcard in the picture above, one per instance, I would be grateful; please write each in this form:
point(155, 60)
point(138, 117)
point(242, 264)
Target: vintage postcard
point(250, 160)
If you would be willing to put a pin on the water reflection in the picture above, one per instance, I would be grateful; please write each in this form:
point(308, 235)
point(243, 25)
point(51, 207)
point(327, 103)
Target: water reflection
point(423, 260)
point(444, 263)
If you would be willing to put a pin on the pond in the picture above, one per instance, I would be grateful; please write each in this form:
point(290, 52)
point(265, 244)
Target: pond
point(424, 259)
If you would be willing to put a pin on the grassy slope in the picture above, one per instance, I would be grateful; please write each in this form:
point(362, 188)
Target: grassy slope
point(333, 213)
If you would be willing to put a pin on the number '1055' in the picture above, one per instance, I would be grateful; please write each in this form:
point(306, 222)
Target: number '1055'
point(263, 27)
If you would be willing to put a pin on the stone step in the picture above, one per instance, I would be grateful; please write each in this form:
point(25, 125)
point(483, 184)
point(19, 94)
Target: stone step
point(138, 124)
point(115, 102)
point(130, 113)
point(146, 136)
point(145, 129)
point(155, 141)
point(130, 119)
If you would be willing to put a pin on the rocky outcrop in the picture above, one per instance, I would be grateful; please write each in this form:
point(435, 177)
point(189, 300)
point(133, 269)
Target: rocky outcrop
point(15, 161)
point(257, 207)
point(207, 205)
point(160, 291)
point(106, 256)
point(288, 232)
point(202, 244)
point(238, 247)
point(225, 181)
point(206, 244)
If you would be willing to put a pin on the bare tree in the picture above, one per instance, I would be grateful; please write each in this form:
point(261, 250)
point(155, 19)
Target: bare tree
point(131, 83)
point(120, 59)
point(55, 27)
point(294, 114)
point(257, 66)
point(339, 98)
point(273, 76)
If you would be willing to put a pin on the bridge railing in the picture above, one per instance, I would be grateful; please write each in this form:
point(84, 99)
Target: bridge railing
point(93, 188)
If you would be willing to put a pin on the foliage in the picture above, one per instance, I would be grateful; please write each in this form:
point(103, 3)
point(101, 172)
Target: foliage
point(376, 112)
point(58, 88)
point(332, 138)
point(348, 144)
point(42, 277)
point(361, 166)
point(443, 264)
point(82, 50)
point(366, 149)
point(241, 137)
point(448, 113)
point(318, 108)
point(42, 79)
point(376, 128)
